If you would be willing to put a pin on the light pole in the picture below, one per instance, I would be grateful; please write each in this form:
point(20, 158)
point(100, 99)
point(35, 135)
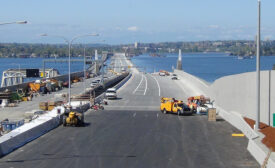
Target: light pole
point(84, 69)
point(69, 62)
point(17, 22)
point(258, 85)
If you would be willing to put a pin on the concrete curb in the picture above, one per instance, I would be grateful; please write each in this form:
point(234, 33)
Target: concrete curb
point(260, 152)
point(237, 121)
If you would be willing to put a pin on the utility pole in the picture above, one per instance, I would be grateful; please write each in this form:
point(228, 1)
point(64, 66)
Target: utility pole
point(258, 108)
point(102, 75)
point(84, 70)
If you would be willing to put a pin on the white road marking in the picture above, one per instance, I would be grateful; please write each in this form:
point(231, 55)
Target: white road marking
point(120, 62)
point(138, 85)
point(134, 114)
point(145, 85)
point(157, 83)
point(157, 115)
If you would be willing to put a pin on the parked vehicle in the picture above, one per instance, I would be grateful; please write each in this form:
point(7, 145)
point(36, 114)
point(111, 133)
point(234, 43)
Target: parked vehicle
point(174, 78)
point(94, 83)
point(111, 93)
point(199, 103)
point(174, 106)
point(161, 74)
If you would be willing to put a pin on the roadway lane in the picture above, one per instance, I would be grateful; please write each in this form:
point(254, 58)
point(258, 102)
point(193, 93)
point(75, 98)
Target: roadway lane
point(136, 139)
point(139, 93)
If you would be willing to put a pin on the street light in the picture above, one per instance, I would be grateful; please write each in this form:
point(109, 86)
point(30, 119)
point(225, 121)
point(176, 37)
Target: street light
point(258, 85)
point(84, 66)
point(17, 22)
point(70, 45)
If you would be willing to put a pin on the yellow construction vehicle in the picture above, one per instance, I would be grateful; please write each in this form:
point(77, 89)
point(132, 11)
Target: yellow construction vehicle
point(114, 72)
point(174, 106)
point(73, 119)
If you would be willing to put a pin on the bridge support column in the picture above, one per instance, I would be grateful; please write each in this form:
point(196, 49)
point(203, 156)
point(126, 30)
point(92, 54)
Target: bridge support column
point(179, 63)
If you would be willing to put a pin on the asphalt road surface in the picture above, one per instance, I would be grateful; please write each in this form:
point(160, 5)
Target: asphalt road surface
point(132, 132)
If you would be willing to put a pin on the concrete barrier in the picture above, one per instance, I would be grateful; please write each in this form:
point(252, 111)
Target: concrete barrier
point(37, 127)
point(195, 85)
point(123, 81)
point(80, 106)
point(237, 121)
point(122, 78)
point(260, 152)
point(29, 131)
point(238, 93)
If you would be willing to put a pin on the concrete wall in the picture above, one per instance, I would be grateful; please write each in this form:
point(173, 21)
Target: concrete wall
point(195, 85)
point(238, 93)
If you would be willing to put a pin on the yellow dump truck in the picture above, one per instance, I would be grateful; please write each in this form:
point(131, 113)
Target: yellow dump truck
point(172, 105)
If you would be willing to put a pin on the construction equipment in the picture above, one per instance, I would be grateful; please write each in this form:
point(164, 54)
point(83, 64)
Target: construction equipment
point(114, 72)
point(43, 106)
point(174, 106)
point(164, 72)
point(199, 103)
point(34, 87)
point(73, 119)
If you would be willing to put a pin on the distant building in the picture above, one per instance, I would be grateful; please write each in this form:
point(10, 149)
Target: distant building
point(136, 44)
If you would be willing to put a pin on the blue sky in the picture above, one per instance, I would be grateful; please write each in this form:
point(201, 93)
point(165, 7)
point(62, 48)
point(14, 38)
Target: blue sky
point(127, 21)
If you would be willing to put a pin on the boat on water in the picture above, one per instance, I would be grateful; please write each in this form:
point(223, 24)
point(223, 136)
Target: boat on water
point(157, 55)
point(245, 57)
point(240, 57)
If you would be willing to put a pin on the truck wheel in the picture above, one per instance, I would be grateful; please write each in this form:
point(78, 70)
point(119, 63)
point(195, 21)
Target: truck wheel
point(164, 111)
point(64, 122)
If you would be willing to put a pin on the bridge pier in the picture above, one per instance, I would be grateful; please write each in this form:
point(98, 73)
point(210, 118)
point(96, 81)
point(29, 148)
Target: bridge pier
point(179, 63)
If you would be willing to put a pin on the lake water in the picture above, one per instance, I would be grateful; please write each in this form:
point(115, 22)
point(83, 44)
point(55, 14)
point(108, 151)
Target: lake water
point(207, 66)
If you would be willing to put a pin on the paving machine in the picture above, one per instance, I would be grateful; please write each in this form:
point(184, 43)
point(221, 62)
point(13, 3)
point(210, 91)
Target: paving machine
point(73, 119)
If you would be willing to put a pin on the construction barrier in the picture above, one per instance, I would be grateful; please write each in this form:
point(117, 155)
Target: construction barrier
point(30, 131)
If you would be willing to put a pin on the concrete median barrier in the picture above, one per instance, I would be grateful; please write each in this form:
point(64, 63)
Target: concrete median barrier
point(30, 131)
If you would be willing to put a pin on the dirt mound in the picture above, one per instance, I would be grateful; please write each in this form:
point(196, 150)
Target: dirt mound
point(269, 132)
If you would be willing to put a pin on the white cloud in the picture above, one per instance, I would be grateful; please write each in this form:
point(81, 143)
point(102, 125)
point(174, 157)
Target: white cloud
point(268, 37)
point(118, 28)
point(214, 26)
point(133, 28)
